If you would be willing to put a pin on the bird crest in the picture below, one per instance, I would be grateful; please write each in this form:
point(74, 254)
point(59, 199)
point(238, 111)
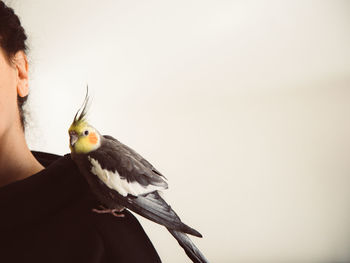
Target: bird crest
point(80, 116)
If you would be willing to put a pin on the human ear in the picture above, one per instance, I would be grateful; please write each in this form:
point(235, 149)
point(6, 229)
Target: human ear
point(21, 63)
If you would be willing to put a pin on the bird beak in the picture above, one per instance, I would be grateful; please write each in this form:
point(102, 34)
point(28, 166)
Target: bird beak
point(73, 137)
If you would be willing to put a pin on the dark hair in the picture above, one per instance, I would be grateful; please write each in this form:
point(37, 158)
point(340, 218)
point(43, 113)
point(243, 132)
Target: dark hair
point(12, 40)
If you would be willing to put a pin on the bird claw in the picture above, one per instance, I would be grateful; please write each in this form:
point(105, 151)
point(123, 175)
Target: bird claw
point(115, 212)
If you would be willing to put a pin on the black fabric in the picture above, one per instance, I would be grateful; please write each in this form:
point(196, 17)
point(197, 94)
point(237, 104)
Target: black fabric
point(47, 217)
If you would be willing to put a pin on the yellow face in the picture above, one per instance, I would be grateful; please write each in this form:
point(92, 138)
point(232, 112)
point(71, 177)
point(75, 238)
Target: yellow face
point(83, 138)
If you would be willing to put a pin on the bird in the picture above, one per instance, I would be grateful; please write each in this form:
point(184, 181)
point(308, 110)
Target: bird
point(120, 178)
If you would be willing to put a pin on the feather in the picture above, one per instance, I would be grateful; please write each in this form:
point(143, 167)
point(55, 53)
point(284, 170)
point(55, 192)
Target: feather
point(154, 207)
point(190, 248)
point(83, 109)
point(121, 184)
point(125, 167)
point(135, 154)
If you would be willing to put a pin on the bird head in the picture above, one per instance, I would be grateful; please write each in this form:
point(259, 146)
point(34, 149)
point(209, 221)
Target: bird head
point(83, 138)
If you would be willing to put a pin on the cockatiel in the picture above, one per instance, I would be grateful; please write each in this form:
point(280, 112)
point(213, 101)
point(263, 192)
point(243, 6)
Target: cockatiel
point(121, 178)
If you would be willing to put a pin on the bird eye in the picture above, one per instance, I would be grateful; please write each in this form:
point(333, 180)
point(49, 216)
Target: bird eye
point(86, 132)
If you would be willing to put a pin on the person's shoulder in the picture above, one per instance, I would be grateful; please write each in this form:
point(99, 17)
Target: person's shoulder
point(123, 238)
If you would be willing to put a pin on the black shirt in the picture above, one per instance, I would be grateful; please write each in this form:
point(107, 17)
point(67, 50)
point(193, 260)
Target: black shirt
point(47, 217)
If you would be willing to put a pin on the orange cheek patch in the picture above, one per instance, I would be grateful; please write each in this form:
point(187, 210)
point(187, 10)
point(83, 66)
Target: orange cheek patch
point(93, 138)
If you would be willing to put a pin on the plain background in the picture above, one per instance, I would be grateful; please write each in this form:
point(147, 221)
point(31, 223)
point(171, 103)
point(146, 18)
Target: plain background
point(243, 105)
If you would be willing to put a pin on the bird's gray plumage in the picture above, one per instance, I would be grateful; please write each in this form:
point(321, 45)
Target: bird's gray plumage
point(114, 156)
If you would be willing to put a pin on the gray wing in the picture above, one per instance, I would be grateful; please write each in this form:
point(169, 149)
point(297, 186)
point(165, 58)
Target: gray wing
point(124, 170)
point(135, 154)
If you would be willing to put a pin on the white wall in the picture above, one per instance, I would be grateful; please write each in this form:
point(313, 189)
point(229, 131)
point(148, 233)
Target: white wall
point(243, 105)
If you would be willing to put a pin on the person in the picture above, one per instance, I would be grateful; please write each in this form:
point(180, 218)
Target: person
point(46, 205)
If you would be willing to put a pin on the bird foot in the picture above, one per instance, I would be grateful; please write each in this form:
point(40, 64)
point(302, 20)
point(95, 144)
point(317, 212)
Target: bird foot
point(115, 212)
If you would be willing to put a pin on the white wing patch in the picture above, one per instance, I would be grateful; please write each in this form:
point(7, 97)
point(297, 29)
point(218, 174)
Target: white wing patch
point(115, 182)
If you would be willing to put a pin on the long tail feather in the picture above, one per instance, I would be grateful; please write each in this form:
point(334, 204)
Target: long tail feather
point(153, 207)
point(190, 248)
